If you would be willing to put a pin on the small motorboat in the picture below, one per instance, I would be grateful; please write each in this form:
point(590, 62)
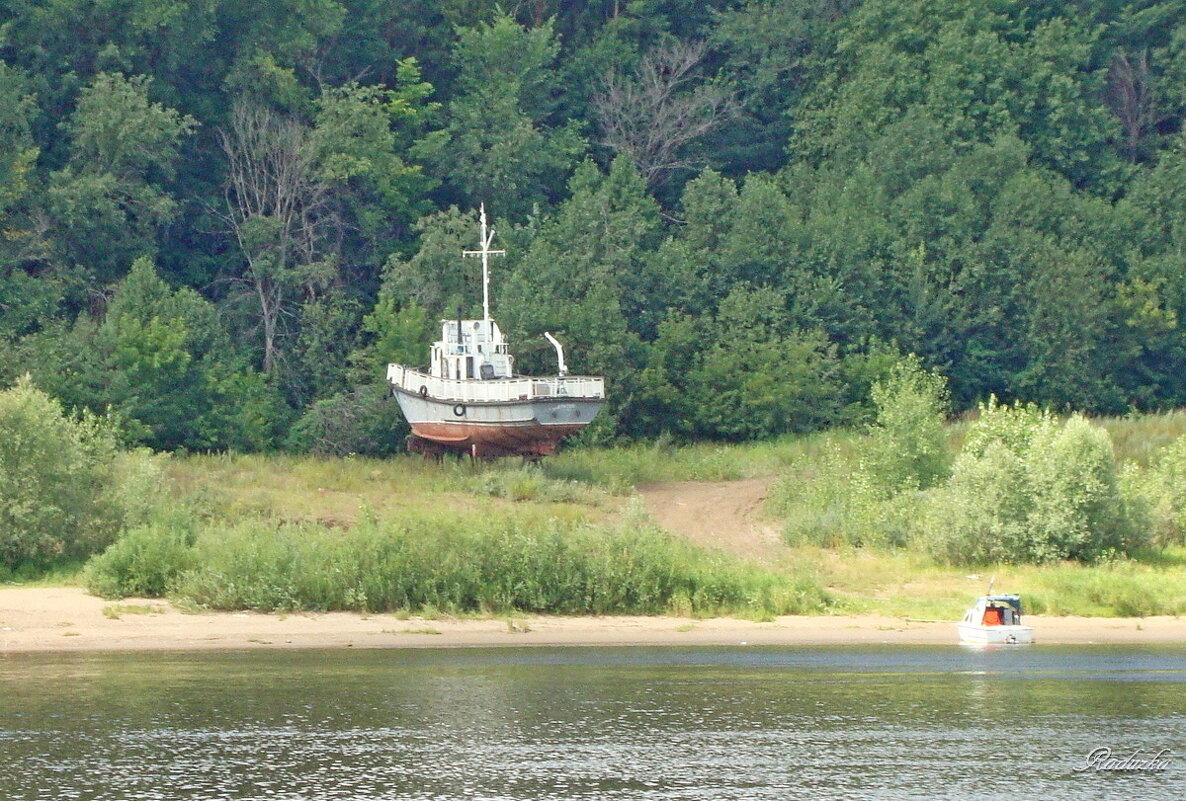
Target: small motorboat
point(995, 620)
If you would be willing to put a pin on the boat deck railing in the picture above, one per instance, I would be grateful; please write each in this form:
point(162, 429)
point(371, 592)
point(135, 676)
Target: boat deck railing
point(494, 389)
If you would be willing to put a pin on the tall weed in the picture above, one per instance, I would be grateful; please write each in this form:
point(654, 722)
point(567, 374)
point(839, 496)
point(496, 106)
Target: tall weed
point(478, 565)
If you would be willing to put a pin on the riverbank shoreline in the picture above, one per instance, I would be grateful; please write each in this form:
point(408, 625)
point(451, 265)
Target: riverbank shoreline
point(49, 619)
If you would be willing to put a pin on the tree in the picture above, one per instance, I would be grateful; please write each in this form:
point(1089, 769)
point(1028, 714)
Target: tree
point(757, 377)
point(160, 361)
point(278, 209)
point(771, 52)
point(656, 114)
point(360, 135)
point(25, 298)
point(1069, 317)
point(501, 145)
point(979, 70)
point(581, 275)
point(17, 150)
point(436, 278)
point(1131, 96)
point(108, 204)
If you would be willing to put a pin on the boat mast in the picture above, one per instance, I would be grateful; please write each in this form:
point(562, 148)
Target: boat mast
point(485, 253)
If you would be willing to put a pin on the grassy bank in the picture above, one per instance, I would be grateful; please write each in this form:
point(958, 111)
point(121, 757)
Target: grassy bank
point(405, 535)
point(908, 584)
point(452, 564)
point(286, 532)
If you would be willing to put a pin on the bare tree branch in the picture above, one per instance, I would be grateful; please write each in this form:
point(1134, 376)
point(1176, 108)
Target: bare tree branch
point(665, 105)
point(278, 208)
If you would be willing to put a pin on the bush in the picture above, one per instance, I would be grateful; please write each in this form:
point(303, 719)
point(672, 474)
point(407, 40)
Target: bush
point(144, 562)
point(472, 564)
point(833, 501)
point(1166, 493)
point(1029, 489)
point(365, 421)
point(909, 448)
point(56, 480)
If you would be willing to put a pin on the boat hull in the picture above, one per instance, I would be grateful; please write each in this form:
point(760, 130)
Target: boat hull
point(488, 429)
point(995, 635)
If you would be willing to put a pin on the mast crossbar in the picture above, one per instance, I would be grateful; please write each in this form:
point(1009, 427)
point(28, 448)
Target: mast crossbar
point(485, 253)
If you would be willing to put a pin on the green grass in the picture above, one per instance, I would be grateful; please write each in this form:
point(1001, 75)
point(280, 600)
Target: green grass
point(410, 536)
point(1138, 438)
point(622, 469)
point(909, 584)
point(467, 563)
point(64, 574)
point(116, 611)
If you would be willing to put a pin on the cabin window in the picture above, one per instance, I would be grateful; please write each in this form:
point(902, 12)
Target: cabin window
point(469, 366)
point(487, 371)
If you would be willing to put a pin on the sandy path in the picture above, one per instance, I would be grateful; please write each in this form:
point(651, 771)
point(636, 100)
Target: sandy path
point(717, 514)
point(67, 619)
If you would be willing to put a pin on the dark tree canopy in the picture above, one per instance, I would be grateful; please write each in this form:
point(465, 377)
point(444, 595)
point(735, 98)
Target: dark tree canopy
point(220, 219)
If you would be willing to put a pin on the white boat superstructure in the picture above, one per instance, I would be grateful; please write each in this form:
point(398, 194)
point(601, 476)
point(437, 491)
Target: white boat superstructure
point(995, 620)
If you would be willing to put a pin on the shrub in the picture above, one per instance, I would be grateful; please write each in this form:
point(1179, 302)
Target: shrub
point(1166, 493)
point(144, 562)
point(471, 564)
point(1029, 489)
point(909, 449)
point(56, 480)
point(365, 420)
point(981, 515)
point(833, 501)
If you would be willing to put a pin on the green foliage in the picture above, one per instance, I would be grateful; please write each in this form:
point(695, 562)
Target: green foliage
point(364, 420)
point(401, 335)
point(108, 201)
point(996, 187)
point(908, 448)
point(757, 379)
point(162, 362)
point(1163, 489)
point(1118, 589)
point(56, 480)
point(979, 70)
point(472, 564)
point(498, 146)
point(360, 133)
point(435, 278)
point(1028, 488)
point(17, 151)
point(144, 562)
point(833, 501)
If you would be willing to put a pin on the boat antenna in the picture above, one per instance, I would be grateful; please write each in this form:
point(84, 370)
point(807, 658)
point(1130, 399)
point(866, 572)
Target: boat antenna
point(485, 253)
point(991, 582)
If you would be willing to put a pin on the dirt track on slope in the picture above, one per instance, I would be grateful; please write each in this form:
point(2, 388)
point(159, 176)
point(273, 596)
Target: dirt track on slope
point(718, 514)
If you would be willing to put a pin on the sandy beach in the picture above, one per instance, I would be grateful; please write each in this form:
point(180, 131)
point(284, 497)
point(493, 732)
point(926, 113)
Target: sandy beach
point(67, 619)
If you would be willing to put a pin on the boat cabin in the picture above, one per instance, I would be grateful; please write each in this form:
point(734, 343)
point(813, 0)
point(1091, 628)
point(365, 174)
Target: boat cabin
point(470, 349)
point(995, 610)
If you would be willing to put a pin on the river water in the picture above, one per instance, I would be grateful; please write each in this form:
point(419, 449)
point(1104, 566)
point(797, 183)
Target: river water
point(594, 723)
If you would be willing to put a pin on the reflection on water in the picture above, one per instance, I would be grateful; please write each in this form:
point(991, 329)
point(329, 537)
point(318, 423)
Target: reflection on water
point(591, 723)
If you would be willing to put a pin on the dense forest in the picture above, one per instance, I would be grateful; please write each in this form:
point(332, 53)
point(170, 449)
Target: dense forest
point(219, 220)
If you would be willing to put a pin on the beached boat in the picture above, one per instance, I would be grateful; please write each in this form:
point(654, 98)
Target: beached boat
point(995, 619)
point(469, 400)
